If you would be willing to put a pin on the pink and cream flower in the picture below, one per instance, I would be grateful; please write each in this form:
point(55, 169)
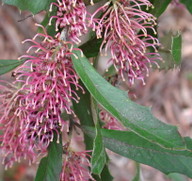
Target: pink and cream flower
point(124, 29)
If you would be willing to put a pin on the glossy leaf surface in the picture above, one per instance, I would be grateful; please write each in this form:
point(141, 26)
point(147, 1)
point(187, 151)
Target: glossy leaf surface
point(135, 117)
point(50, 167)
point(132, 146)
point(8, 65)
point(34, 6)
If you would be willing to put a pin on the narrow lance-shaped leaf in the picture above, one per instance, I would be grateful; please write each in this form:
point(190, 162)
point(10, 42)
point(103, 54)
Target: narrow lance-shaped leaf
point(34, 6)
point(49, 28)
point(138, 172)
point(177, 177)
point(105, 175)
point(176, 48)
point(136, 117)
point(170, 51)
point(50, 166)
point(98, 159)
point(91, 47)
point(84, 113)
point(132, 146)
point(8, 65)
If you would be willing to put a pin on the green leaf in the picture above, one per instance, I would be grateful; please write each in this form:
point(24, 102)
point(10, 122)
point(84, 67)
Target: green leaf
point(159, 7)
point(111, 72)
point(88, 116)
point(177, 177)
point(8, 65)
point(176, 48)
point(83, 109)
point(135, 117)
point(49, 28)
point(34, 6)
point(188, 4)
point(105, 175)
point(137, 176)
point(171, 51)
point(98, 159)
point(84, 113)
point(91, 47)
point(130, 145)
point(50, 167)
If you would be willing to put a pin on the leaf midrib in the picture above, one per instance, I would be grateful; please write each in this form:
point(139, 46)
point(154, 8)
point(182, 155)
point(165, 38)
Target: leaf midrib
point(137, 126)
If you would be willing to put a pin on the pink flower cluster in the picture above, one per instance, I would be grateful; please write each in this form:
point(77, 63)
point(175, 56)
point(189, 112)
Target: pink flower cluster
point(71, 15)
point(123, 27)
point(32, 114)
point(48, 85)
point(75, 166)
point(14, 148)
point(110, 122)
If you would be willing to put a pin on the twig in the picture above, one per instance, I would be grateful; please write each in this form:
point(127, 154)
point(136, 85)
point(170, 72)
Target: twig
point(31, 15)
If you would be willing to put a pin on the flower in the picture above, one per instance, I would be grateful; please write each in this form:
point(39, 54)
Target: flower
point(49, 83)
point(110, 122)
point(13, 146)
point(124, 29)
point(75, 166)
point(71, 15)
point(31, 108)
